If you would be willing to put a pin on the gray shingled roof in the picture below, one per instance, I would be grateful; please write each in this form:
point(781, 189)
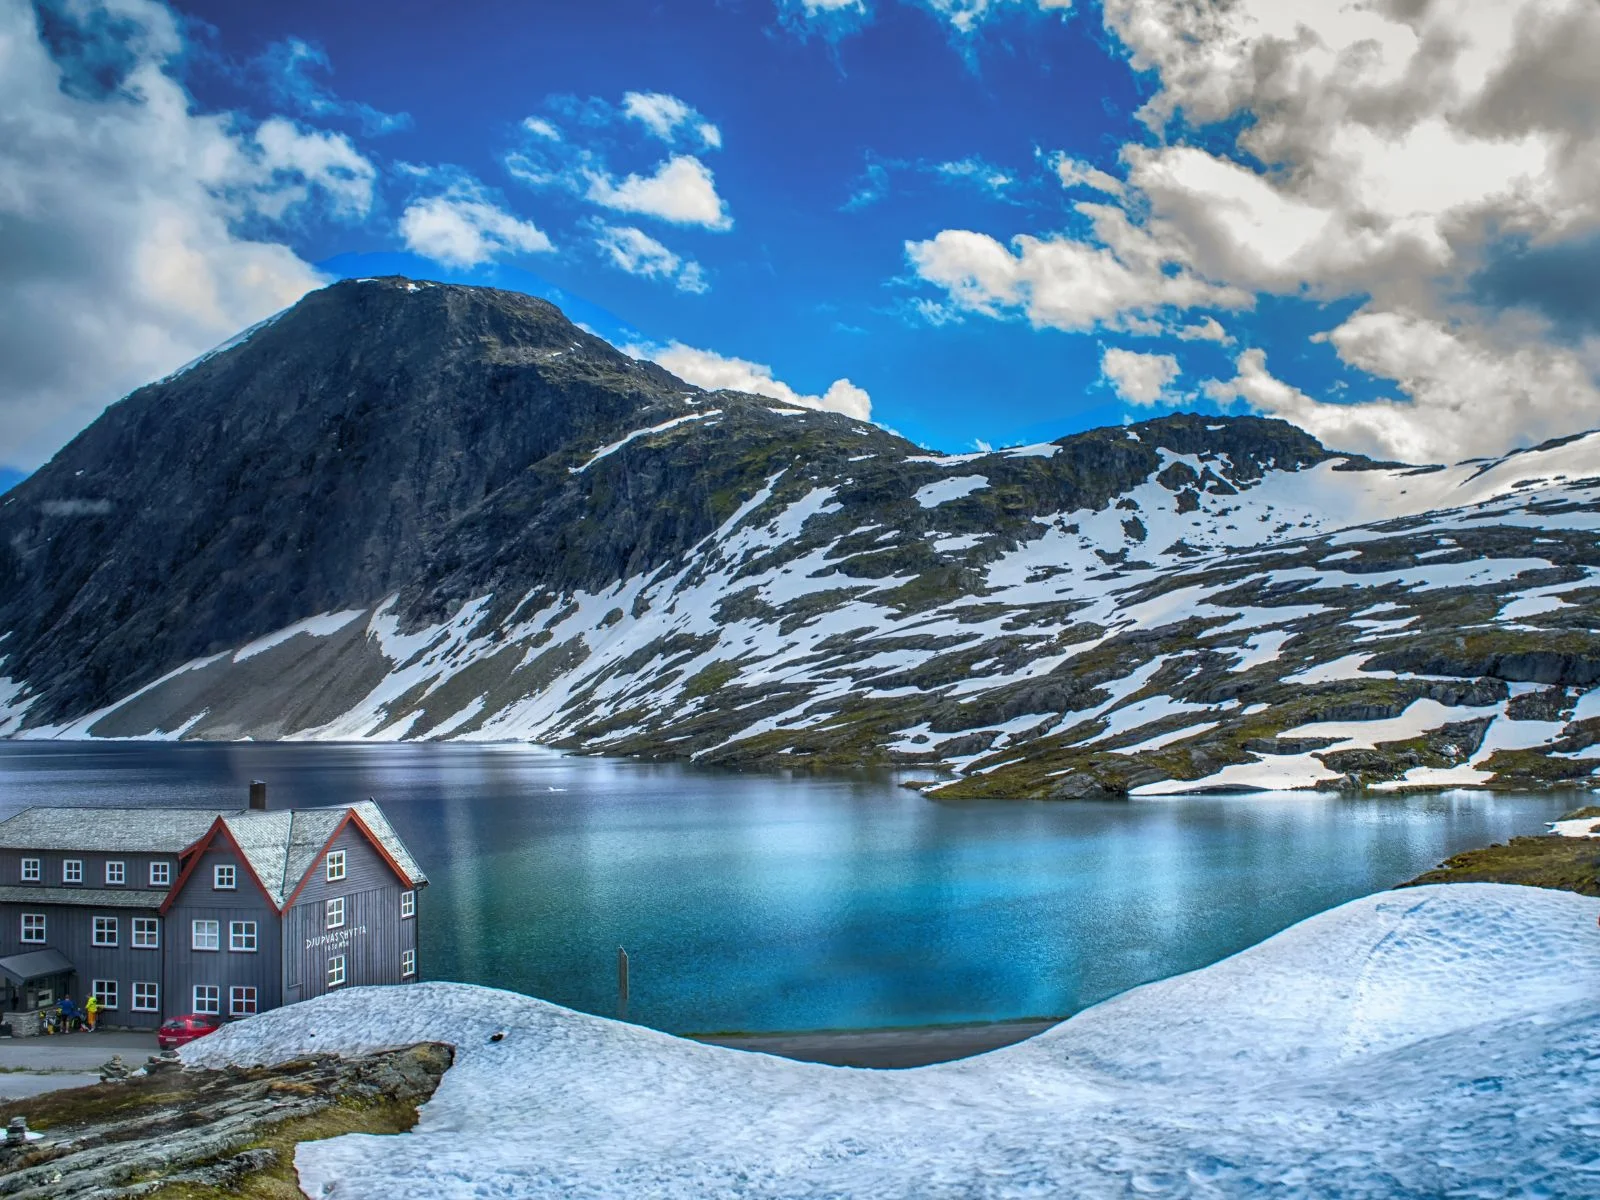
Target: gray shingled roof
point(97, 897)
point(280, 846)
point(111, 830)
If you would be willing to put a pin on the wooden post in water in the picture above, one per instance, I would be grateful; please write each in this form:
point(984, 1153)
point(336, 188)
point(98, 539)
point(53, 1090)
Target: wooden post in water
point(622, 984)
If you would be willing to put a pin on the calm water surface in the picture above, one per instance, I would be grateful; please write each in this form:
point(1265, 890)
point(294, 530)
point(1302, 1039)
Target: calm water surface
point(759, 902)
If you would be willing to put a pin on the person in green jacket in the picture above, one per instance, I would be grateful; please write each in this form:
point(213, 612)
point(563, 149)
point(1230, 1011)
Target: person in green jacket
point(91, 1010)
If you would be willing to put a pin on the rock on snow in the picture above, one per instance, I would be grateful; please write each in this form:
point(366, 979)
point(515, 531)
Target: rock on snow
point(1439, 1041)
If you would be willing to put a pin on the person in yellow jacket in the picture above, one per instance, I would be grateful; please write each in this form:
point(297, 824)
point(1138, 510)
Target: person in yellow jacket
point(91, 1010)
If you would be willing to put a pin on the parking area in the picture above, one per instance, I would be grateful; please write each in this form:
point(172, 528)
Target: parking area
point(32, 1065)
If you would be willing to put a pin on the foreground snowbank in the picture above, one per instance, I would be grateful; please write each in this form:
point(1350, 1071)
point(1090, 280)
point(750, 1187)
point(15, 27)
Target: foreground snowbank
point(1436, 1041)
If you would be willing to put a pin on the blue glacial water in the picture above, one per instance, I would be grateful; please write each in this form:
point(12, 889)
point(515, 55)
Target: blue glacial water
point(762, 902)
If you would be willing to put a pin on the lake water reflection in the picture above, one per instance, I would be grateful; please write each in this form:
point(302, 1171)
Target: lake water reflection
point(758, 902)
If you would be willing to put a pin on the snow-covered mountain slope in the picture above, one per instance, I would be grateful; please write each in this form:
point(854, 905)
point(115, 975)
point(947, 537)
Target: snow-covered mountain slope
point(1185, 603)
point(1431, 1042)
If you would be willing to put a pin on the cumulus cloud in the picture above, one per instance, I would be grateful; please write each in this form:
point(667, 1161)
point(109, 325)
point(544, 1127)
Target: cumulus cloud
point(637, 253)
point(716, 372)
point(1455, 381)
point(668, 117)
point(1064, 283)
point(1405, 145)
point(122, 210)
point(1439, 162)
point(1207, 329)
point(1140, 379)
point(681, 190)
point(464, 228)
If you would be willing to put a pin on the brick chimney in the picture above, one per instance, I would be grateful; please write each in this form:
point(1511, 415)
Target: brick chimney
point(258, 796)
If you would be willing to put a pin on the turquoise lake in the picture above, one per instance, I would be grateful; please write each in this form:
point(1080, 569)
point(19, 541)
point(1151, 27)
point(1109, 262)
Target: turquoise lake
point(761, 902)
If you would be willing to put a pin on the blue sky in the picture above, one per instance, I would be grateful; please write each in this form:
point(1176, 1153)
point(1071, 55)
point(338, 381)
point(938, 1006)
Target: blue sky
point(982, 221)
point(804, 281)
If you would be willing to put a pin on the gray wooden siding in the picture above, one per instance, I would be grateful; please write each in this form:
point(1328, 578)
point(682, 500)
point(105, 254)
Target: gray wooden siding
point(373, 935)
point(224, 968)
point(365, 869)
point(70, 929)
point(136, 867)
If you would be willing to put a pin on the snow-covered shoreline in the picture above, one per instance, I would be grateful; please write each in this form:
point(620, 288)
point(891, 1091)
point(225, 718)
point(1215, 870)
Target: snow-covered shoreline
point(1434, 1041)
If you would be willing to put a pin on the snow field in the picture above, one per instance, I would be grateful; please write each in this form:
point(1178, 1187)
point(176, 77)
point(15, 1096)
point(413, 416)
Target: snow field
point(1430, 1042)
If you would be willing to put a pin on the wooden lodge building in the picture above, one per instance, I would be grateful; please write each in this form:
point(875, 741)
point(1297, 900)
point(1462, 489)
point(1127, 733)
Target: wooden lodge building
point(159, 912)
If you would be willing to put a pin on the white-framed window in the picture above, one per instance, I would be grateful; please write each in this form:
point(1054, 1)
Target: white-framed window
point(116, 873)
point(105, 931)
point(105, 991)
point(335, 913)
point(408, 963)
point(335, 864)
point(408, 905)
point(225, 878)
point(242, 936)
point(32, 871)
point(146, 933)
point(72, 871)
point(241, 1002)
point(33, 927)
point(160, 874)
point(336, 971)
point(207, 998)
point(205, 935)
point(146, 997)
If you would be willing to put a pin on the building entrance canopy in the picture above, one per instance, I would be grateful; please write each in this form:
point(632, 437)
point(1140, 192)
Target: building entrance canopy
point(23, 969)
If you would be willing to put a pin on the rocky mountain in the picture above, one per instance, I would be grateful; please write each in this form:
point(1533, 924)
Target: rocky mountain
point(412, 510)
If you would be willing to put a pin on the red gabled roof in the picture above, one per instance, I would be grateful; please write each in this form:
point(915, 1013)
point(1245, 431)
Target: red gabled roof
point(197, 851)
point(349, 818)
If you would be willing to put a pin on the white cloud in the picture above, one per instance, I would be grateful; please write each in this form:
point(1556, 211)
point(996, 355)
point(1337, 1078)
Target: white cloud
point(664, 116)
point(1385, 149)
point(967, 15)
point(716, 372)
point(1464, 397)
point(1208, 329)
point(121, 210)
point(1063, 283)
point(463, 228)
point(1141, 379)
point(682, 190)
point(296, 163)
point(539, 127)
point(1403, 141)
point(637, 253)
point(975, 170)
point(1074, 172)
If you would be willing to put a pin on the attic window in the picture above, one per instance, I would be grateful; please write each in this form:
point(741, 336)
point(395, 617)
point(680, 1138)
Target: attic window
point(116, 873)
point(160, 874)
point(336, 864)
point(72, 871)
point(225, 879)
point(32, 872)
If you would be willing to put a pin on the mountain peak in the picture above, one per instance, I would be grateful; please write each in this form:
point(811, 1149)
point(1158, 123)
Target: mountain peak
point(403, 509)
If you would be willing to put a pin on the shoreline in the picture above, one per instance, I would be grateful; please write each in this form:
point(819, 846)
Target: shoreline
point(888, 1048)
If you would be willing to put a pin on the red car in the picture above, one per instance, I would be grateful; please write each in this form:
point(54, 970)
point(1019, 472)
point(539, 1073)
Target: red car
point(180, 1031)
